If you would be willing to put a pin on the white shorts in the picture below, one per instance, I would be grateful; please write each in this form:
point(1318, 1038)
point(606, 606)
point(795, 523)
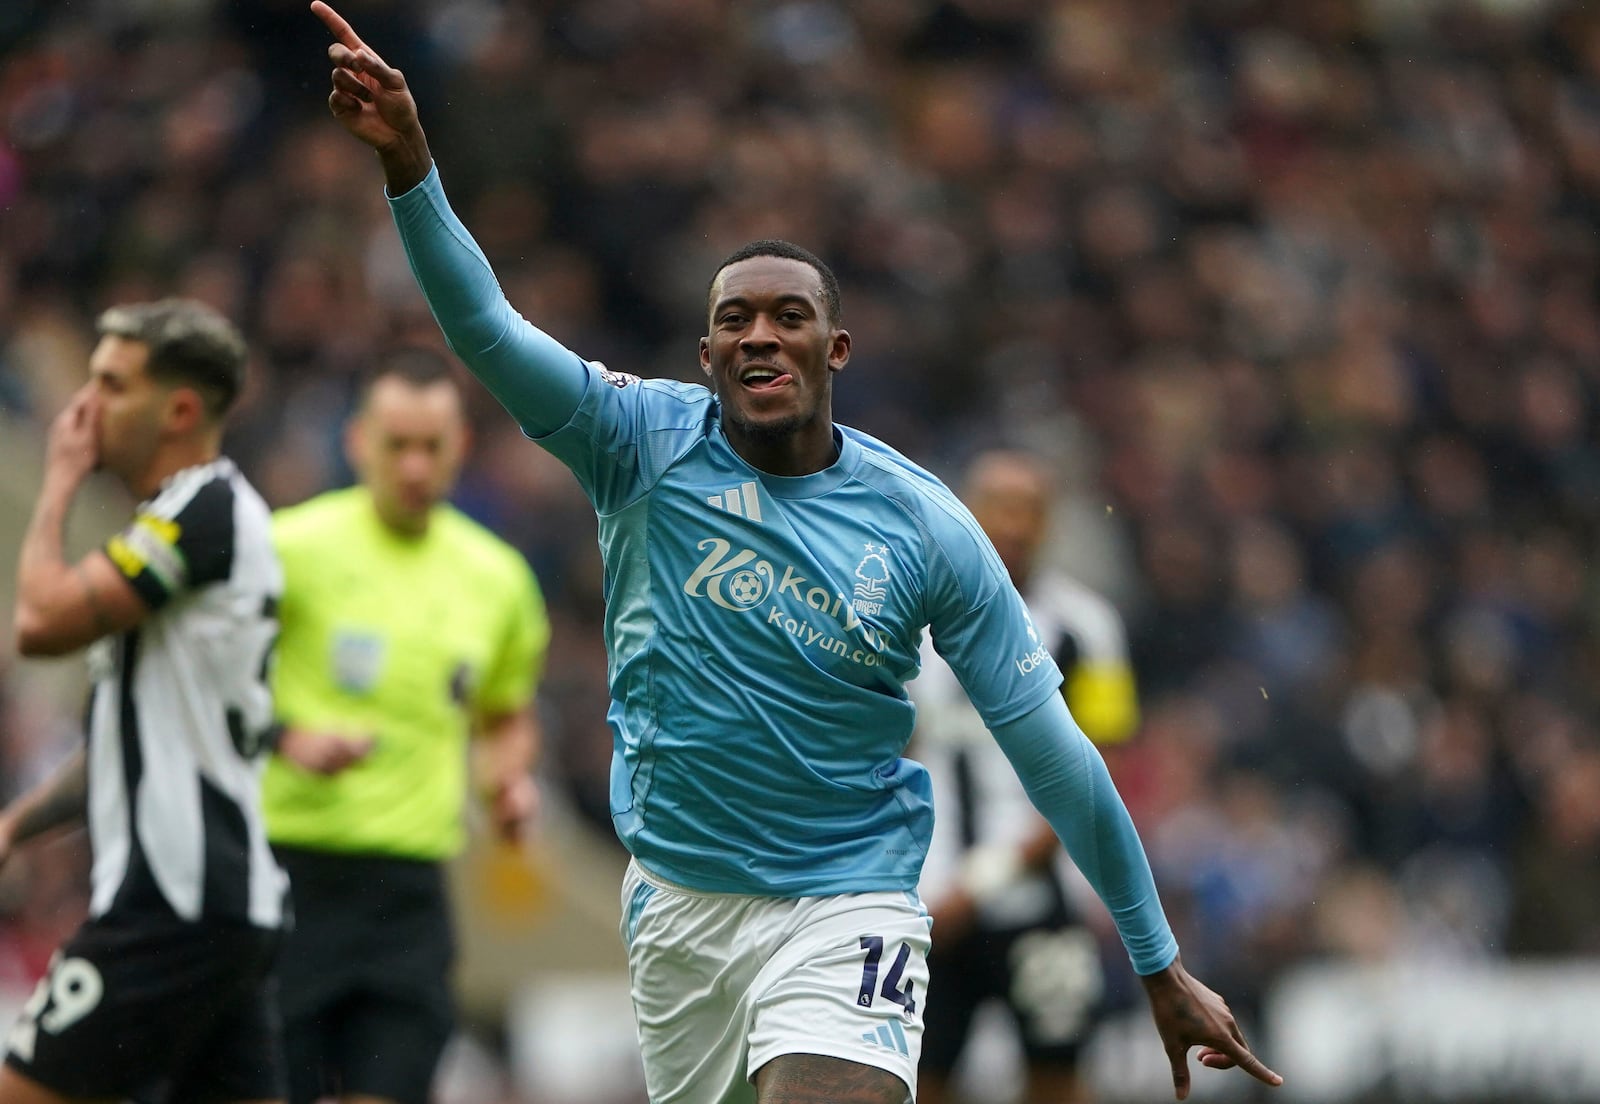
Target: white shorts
point(722, 984)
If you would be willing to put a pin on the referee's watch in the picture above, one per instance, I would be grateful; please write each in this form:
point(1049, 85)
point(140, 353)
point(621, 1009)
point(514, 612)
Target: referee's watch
point(273, 736)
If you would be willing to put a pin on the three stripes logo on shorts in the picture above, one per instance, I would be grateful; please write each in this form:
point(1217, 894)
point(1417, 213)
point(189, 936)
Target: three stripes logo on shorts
point(889, 1036)
point(741, 501)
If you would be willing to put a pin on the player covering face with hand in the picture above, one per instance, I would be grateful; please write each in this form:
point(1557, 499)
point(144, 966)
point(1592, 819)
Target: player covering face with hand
point(163, 992)
point(769, 576)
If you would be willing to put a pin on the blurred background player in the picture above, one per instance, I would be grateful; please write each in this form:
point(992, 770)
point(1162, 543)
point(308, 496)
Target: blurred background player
point(407, 627)
point(163, 992)
point(1005, 925)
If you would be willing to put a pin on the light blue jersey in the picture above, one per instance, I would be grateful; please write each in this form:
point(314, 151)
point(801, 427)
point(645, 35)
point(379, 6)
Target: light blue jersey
point(762, 630)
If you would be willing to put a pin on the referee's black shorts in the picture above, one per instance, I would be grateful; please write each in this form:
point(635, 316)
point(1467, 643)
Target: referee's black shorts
point(365, 975)
point(156, 1009)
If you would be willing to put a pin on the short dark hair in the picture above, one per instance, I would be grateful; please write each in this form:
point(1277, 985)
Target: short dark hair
point(189, 344)
point(775, 247)
point(415, 366)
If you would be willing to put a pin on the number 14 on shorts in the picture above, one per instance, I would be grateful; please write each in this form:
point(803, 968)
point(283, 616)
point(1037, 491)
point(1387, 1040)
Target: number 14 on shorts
point(891, 990)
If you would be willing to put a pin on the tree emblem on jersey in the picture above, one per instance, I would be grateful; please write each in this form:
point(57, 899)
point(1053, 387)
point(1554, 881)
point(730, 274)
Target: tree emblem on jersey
point(873, 571)
point(736, 582)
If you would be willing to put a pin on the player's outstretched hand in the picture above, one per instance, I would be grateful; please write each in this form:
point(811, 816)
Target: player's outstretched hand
point(371, 100)
point(1188, 1014)
point(323, 752)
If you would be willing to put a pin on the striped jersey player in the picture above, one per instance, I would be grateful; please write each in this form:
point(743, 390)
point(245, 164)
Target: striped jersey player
point(164, 988)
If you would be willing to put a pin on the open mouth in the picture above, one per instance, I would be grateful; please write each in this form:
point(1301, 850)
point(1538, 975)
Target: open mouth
point(762, 377)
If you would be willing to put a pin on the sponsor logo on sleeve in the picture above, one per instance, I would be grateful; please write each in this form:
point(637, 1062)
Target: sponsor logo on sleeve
point(1035, 659)
point(615, 379)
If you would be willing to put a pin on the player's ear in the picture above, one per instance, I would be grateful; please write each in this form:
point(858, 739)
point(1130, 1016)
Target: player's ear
point(705, 355)
point(838, 350)
point(185, 411)
point(458, 447)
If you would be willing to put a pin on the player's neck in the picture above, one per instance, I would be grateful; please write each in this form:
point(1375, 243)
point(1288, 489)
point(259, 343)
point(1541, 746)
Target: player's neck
point(172, 457)
point(805, 450)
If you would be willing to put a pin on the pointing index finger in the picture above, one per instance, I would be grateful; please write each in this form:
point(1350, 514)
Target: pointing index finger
point(1252, 1065)
point(337, 26)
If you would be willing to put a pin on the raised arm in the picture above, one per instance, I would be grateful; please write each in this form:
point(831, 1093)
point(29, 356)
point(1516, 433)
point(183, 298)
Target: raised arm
point(534, 376)
point(63, 606)
point(1068, 782)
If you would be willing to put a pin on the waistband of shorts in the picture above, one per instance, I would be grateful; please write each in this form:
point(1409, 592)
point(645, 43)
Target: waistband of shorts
point(652, 878)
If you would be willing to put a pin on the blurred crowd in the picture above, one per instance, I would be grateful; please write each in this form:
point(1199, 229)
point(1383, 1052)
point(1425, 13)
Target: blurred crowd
point(1298, 296)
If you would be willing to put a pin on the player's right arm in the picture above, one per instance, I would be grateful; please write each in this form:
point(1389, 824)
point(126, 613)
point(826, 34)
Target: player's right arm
point(64, 606)
point(534, 376)
point(61, 799)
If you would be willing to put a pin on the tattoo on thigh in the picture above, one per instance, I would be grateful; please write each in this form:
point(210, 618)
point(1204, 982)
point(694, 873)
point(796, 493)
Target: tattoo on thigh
point(814, 1079)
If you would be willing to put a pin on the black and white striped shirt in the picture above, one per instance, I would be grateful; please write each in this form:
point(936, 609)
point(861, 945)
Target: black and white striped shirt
point(978, 799)
point(180, 706)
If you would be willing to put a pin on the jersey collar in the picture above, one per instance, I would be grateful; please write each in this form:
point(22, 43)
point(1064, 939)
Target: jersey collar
point(801, 486)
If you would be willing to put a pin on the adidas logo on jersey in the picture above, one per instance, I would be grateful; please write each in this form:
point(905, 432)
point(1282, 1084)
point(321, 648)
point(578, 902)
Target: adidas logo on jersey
point(741, 501)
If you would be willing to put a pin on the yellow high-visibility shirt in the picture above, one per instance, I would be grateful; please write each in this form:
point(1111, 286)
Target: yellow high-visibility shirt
point(407, 639)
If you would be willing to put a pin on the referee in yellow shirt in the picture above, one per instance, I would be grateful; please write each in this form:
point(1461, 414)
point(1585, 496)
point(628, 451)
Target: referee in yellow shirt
point(406, 629)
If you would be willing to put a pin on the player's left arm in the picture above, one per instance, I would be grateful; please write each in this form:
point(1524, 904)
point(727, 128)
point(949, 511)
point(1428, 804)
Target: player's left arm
point(982, 628)
point(506, 752)
point(64, 606)
point(1067, 781)
point(59, 800)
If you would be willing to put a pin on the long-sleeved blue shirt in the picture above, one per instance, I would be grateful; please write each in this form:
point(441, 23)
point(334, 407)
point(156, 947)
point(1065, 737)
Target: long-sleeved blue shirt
point(761, 629)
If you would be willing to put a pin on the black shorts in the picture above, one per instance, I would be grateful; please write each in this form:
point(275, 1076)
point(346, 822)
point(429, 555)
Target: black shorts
point(157, 1010)
point(1048, 973)
point(365, 975)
